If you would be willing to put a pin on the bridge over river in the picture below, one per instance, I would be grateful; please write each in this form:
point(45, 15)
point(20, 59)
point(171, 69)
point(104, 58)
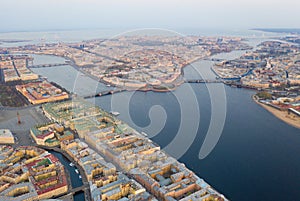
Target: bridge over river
point(118, 90)
point(203, 81)
point(48, 65)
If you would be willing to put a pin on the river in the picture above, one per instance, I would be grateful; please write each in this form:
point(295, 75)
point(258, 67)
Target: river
point(255, 157)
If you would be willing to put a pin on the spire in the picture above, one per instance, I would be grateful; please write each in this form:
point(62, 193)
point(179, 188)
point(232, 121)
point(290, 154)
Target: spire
point(19, 118)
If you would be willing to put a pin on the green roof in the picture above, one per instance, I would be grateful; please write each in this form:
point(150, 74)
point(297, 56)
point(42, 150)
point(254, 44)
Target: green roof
point(51, 140)
point(45, 161)
point(35, 131)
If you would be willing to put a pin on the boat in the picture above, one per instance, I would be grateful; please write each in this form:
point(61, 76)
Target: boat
point(114, 113)
point(108, 85)
point(71, 164)
point(145, 134)
point(80, 177)
point(76, 171)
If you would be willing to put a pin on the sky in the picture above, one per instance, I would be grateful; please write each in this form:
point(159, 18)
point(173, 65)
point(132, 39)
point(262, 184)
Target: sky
point(34, 15)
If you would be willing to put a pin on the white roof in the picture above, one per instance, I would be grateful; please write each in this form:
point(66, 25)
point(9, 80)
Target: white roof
point(5, 133)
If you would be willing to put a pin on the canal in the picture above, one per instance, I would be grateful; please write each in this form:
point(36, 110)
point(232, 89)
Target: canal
point(74, 177)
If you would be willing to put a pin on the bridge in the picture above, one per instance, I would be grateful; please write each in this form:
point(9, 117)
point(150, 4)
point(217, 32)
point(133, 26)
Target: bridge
point(48, 65)
point(110, 92)
point(214, 59)
point(203, 81)
point(104, 93)
point(80, 188)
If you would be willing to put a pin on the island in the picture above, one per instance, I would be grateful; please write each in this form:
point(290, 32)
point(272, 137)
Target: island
point(274, 69)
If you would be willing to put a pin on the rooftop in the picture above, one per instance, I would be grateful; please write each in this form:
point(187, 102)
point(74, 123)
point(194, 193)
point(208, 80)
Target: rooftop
point(5, 133)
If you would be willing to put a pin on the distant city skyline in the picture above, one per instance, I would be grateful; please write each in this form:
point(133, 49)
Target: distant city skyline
point(34, 15)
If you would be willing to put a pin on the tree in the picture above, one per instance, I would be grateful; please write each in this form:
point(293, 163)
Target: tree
point(264, 95)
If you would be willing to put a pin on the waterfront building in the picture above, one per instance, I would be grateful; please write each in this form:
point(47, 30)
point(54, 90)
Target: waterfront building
point(105, 182)
point(171, 180)
point(123, 189)
point(161, 175)
point(41, 92)
point(70, 111)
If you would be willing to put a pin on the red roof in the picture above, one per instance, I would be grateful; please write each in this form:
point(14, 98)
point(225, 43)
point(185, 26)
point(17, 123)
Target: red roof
point(42, 136)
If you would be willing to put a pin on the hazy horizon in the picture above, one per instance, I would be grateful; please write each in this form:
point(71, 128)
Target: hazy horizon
point(47, 15)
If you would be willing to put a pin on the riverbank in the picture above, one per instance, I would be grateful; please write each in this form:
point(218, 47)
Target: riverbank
point(290, 119)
